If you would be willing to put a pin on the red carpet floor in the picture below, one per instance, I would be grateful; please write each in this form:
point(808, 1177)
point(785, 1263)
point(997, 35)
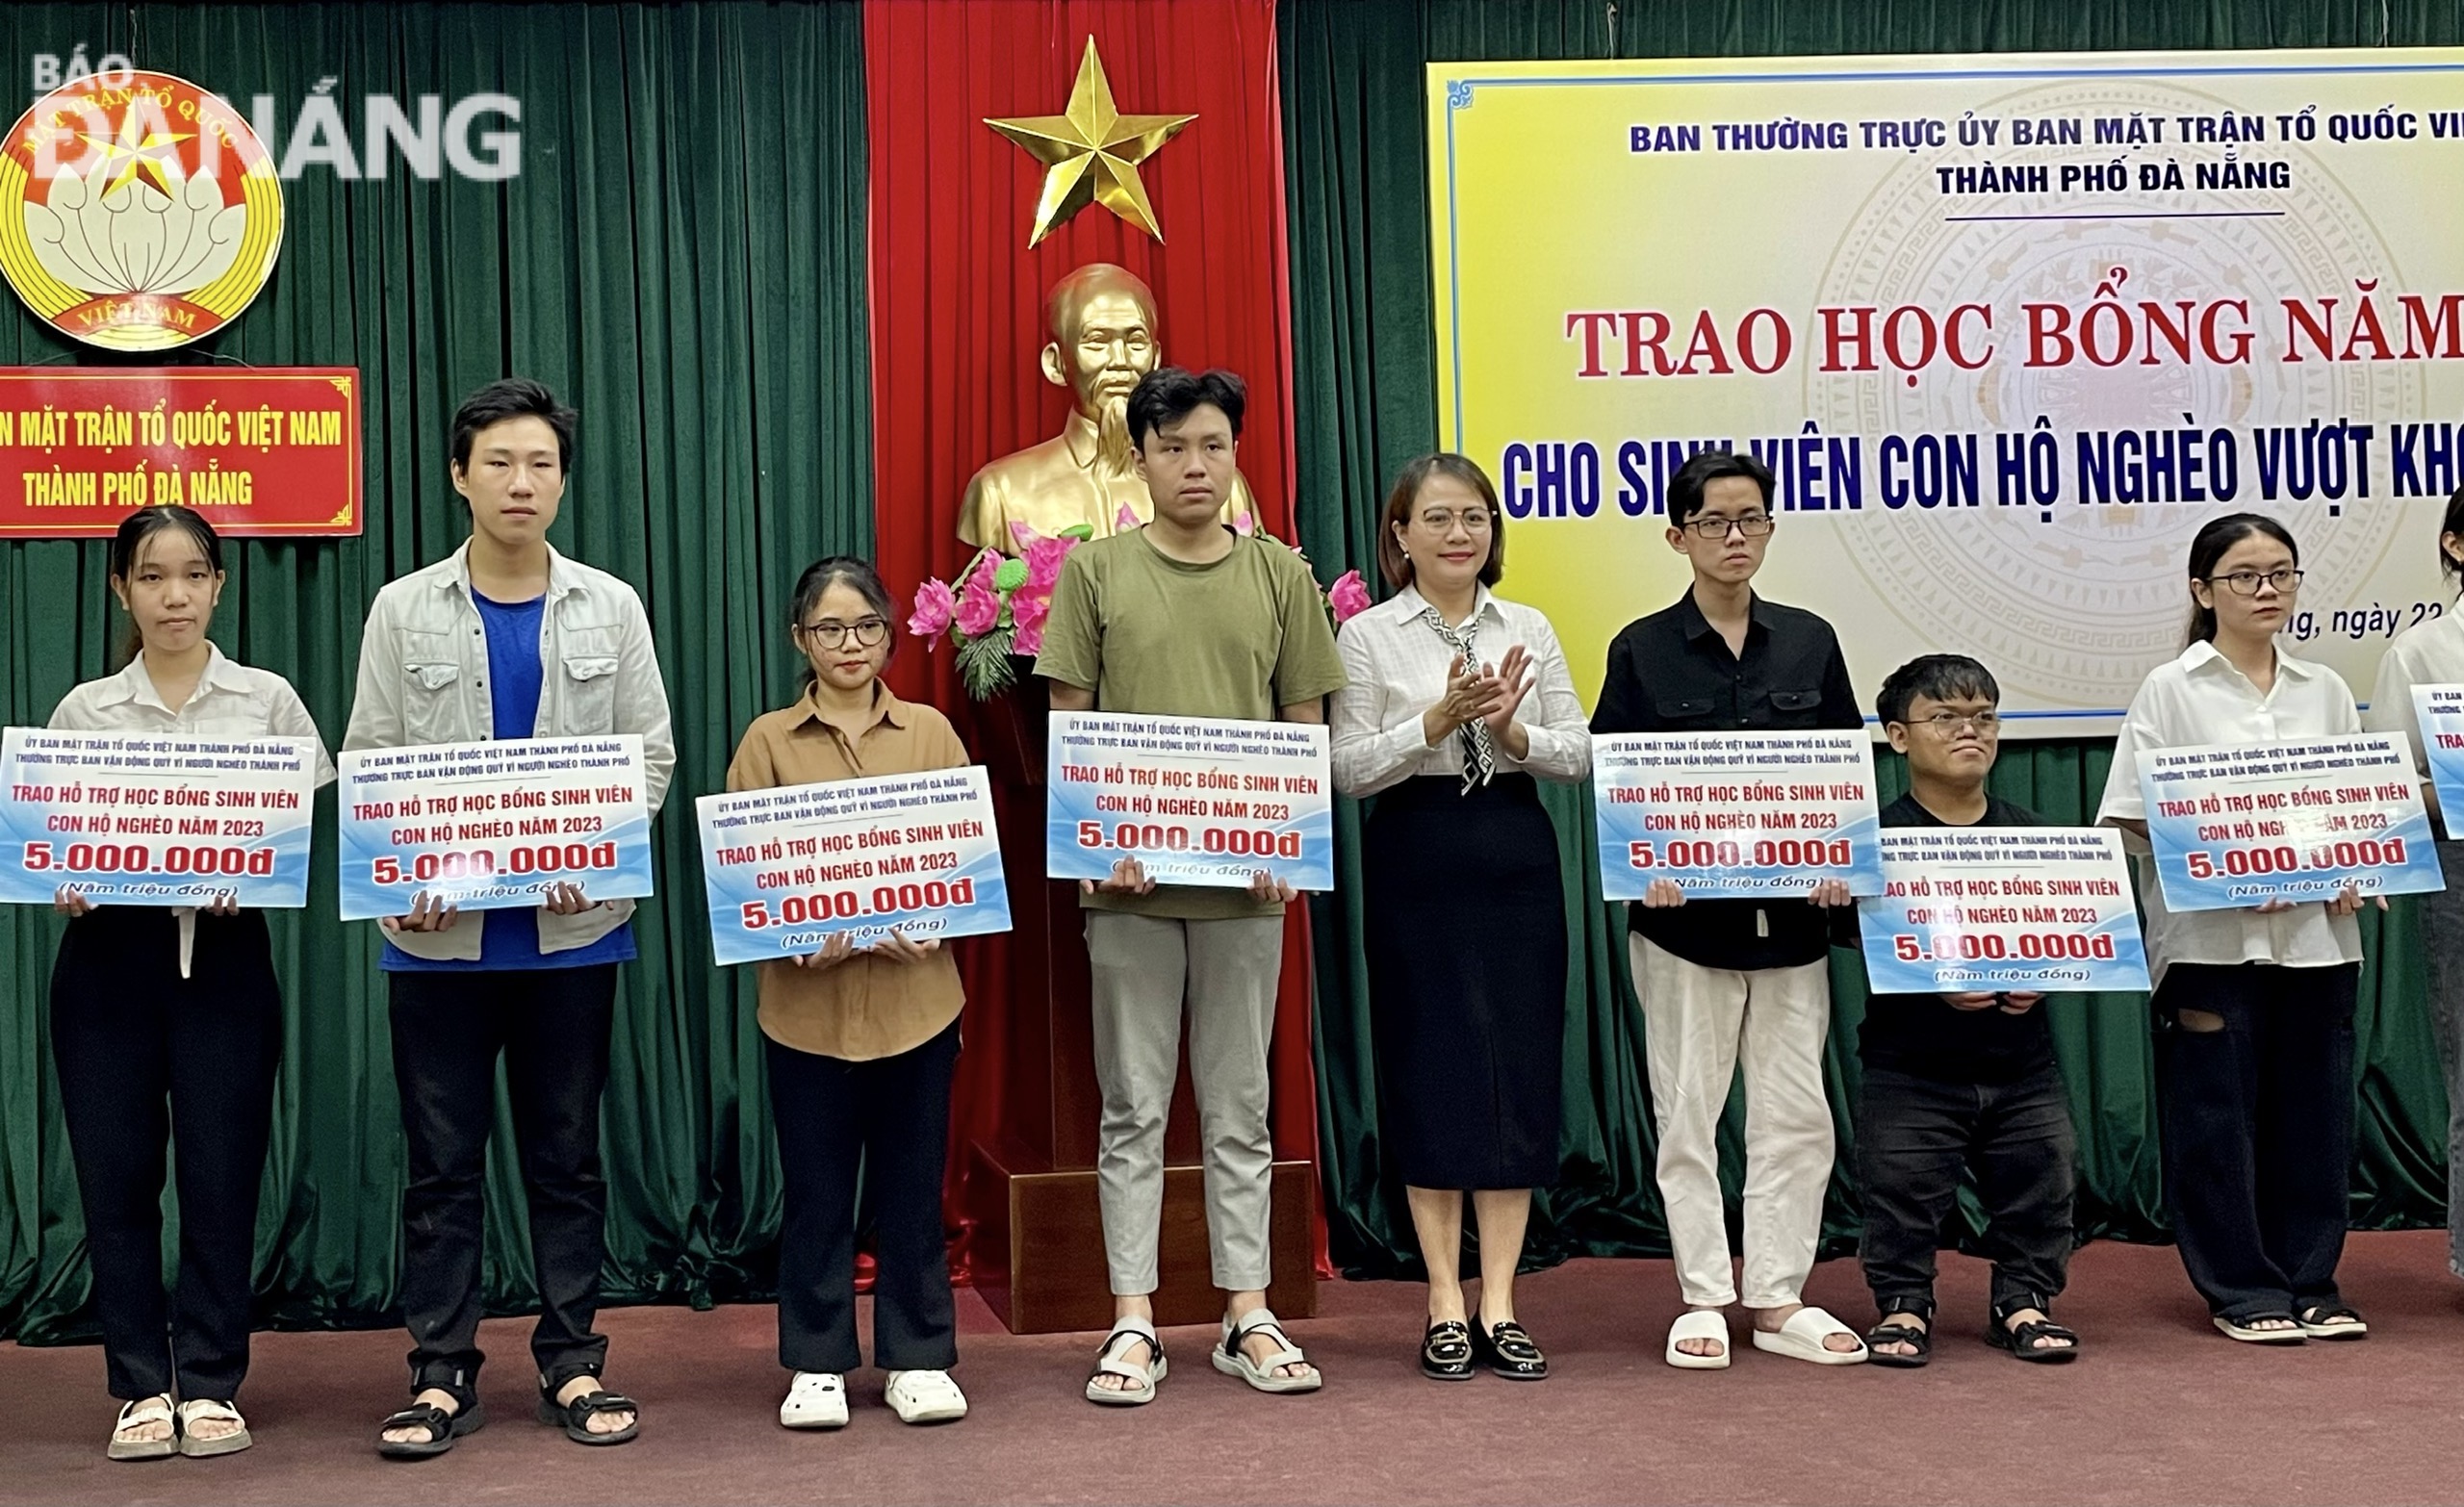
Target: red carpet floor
point(2159, 1409)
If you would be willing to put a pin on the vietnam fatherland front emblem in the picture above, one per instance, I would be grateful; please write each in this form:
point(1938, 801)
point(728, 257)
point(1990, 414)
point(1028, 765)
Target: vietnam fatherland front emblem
point(136, 210)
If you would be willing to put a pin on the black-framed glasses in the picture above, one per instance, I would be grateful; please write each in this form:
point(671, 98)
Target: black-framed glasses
point(2245, 583)
point(831, 634)
point(1947, 723)
point(1753, 526)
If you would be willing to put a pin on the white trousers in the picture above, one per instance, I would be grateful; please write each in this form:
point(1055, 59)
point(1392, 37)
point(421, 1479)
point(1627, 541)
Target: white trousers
point(1700, 1025)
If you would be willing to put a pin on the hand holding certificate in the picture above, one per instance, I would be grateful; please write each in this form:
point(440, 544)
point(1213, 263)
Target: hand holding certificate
point(1735, 814)
point(1191, 800)
point(155, 819)
point(2287, 822)
point(790, 868)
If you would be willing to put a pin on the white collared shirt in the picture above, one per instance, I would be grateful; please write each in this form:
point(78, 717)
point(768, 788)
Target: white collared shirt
point(2426, 653)
point(1398, 664)
point(2201, 700)
point(231, 700)
point(423, 679)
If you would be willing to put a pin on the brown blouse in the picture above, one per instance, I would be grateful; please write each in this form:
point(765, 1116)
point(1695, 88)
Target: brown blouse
point(866, 1006)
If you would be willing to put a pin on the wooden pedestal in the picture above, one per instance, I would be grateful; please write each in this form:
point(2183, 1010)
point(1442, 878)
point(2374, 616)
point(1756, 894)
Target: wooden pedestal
point(1037, 1247)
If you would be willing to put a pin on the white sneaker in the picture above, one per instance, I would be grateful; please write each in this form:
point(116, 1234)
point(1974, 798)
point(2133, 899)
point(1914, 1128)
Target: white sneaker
point(925, 1397)
point(818, 1399)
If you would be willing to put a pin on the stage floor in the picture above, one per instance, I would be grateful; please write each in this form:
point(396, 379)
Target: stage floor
point(2160, 1407)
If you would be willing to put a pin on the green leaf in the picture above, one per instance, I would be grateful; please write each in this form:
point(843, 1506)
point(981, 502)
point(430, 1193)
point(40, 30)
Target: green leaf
point(984, 664)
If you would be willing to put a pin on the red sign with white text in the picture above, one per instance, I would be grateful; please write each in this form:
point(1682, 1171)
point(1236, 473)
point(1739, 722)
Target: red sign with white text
point(262, 453)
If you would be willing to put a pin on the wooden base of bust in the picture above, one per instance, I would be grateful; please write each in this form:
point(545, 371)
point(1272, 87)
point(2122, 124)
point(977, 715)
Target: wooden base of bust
point(1038, 1244)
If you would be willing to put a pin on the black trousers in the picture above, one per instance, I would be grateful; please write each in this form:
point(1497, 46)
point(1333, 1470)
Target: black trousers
point(1916, 1136)
point(888, 1119)
point(145, 1055)
point(550, 1025)
point(2258, 1125)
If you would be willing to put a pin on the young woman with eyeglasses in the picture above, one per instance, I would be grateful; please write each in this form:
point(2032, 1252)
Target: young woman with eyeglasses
point(860, 1041)
point(2431, 653)
point(2254, 1008)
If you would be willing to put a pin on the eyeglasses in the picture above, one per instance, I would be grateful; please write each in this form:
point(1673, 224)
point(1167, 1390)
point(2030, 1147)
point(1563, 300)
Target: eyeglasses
point(1475, 521)
point(831, 634)
point(1753, 526)
point(2245, 583)
point(1947, 723)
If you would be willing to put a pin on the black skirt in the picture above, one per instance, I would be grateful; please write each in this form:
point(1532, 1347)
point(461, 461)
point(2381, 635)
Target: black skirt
point(1467, 981)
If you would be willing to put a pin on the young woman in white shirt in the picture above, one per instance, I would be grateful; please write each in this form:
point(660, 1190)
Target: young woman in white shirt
point(2431, 653)
point(2254, 1008)
point(1457, 700)
point(169, 1022)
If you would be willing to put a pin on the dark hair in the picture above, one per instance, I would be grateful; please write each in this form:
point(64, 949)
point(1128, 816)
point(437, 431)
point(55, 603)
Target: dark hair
point(858, 575)
point(1937, 678)
point(512, 397)
point(1685, 488)
point(2209, 545)
point(128, 542)
point(2455, 525)
point(1397, 566)
point(1168, 395)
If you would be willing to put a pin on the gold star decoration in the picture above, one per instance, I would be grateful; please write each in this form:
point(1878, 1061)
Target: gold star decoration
point(144, 158)
point(1091, 153)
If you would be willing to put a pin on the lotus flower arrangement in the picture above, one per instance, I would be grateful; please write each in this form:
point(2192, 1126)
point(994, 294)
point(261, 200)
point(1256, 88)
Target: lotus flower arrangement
point(998, 607)
point(996, 611)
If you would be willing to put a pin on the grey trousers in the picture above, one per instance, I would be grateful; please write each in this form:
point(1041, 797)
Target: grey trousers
point(2442, 941)
point(1146, 968)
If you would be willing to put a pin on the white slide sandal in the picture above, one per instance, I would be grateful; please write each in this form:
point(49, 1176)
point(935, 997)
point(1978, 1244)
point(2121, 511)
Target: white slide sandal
point(1141, 1379)
point(1800, 1337)
point(1698, 1323)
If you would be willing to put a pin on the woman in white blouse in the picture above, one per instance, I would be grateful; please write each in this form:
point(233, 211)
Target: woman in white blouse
point(2431, 653)
point(169, 1022)
point(2254, 1008)
point(1457, 698)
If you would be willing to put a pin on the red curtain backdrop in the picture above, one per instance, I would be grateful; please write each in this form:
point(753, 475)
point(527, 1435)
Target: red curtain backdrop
point(957, 322)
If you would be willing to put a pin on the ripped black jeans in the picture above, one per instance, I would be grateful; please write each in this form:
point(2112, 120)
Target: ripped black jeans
point(2258, 1129)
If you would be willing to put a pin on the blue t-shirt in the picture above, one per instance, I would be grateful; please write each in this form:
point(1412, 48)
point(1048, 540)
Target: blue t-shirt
point(511, 939)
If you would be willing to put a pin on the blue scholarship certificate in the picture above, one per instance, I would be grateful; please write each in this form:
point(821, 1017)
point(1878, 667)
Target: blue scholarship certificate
point(786, 867)
point(2441, 709)
point(1735, 814)
point(2297, 820)
point(1194, 800)
point(493, 825)
point(155, 819)
point(1967, 909)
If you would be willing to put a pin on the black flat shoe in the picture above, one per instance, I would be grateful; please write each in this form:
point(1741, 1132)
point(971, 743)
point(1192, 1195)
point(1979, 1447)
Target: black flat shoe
point(1511, 1353)
point(1446, 1351)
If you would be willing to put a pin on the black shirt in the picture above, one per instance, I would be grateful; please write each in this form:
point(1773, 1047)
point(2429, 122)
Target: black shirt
point(1672, 671)
point(1923, 1035)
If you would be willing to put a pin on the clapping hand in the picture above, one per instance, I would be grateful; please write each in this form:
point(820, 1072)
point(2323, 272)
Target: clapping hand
point(1503, 689)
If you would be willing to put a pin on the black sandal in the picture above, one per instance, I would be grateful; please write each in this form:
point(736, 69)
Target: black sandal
point(2319, 1322)
point(574, 1416)
point(1884, 1332)
point(443, 1427)
point(1511, 1352)
point(2021, 1343)
point(1446, 1351)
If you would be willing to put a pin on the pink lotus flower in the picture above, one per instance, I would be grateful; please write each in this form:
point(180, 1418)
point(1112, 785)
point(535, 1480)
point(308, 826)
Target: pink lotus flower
point(1349, 596)
point(934, 605)
point(1246, 524)
point(1023, 536)
point(1029, 640)
point(1126, 520)
point(1043, 562)
point(1029, 607)
point(979, 607)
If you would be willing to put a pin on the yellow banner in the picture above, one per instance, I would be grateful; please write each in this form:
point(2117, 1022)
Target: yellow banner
point(2007, 328)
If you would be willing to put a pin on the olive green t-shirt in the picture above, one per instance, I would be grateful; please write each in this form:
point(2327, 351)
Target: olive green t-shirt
point(1240, 637)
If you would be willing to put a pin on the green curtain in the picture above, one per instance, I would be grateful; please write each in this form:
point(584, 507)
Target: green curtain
point(1354, 135)
point(682, 258)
